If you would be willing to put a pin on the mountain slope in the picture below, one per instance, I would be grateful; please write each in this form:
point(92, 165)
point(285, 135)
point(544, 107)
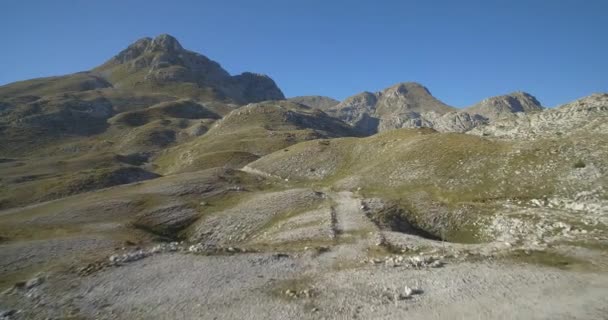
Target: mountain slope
point(250, 132)
point(30, 89)
point(448, 182)
point(151, 96)
point(319, 102)
point(47, 112)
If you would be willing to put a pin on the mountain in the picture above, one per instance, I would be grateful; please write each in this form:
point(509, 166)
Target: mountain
point(318, 102)
point(159, 169)
point(80, 132)
point(505, 105)
point(587, 115)
point(159, 65)
point(411, 105)
point(163, 63)
point(398, 106)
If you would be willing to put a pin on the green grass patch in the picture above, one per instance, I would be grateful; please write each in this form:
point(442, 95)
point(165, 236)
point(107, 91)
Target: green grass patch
point(546, 258)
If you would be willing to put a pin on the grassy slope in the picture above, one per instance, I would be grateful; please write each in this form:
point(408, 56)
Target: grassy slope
point(248, 133)
point(115, 215)
point(76, 212)
point(444, 180)
point(45, 150)
point(52, 85)
point(25, 181)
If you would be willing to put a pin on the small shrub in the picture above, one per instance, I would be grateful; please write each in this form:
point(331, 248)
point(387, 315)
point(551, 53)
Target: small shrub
point(579, 164)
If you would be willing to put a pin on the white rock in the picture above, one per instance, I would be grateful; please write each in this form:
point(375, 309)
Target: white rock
point(407, 292)
point(34, 282)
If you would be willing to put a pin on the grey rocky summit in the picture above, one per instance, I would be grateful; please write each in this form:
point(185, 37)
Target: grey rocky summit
point(506, 105)
point(163, 61)
point(411, 105)
point(404, 105)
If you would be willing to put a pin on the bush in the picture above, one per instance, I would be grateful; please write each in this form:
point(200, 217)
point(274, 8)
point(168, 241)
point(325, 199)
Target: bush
point(579, 164)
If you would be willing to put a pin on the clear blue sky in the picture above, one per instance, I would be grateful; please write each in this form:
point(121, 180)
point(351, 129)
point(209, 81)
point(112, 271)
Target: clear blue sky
point(463, 51)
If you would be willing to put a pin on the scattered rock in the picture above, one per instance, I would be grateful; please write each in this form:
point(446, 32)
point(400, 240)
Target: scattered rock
point(118, 259)
point(8, 314)
point(415, 262)
point(394, 295)
point(306, 293)
point(34, 282)
point(407, 292)
point(91, 268)
point(167, 247)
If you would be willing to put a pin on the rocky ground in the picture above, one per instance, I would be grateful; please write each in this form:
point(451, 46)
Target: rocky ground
point(349, 269)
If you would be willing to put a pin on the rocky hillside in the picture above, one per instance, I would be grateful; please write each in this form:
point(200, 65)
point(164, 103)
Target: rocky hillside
point(586, 115)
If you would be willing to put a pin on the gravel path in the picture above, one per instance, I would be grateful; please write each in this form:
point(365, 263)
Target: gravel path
point(349, 216)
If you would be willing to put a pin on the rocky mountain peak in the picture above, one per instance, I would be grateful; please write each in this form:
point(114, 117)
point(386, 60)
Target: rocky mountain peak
point(405, 88)
point(398, 106)
point(406, 98)
point(134, 50)
point(163, 61)
point(506, 105)
point(166, 43)
point(163, 45)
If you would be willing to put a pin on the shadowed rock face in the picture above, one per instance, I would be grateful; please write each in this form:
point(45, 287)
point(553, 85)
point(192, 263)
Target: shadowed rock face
point(163, 61)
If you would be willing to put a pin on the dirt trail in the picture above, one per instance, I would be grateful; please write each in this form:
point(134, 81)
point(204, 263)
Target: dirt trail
point(349, 216)
point(353, 232)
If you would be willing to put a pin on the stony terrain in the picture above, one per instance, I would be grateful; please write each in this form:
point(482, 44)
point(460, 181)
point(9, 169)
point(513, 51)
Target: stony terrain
point(583, 116)
point(411, 105)
point(159, 186)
